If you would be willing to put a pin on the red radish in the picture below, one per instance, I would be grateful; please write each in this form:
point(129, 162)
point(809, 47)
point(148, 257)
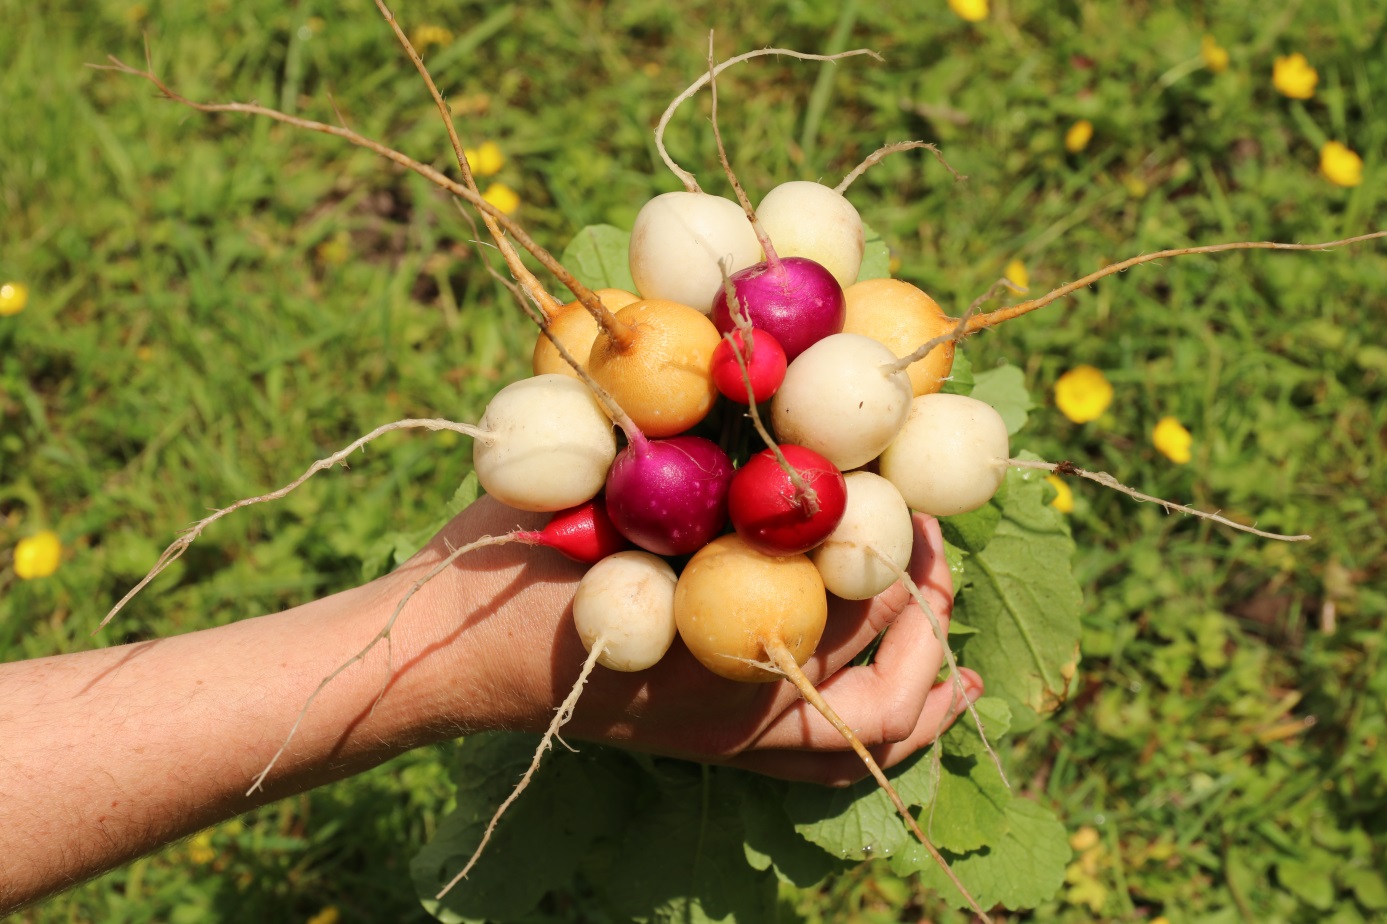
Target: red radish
point(765, 506)
point(765, 366)
point(793, 298)
point(669, 496)
point(583, 533)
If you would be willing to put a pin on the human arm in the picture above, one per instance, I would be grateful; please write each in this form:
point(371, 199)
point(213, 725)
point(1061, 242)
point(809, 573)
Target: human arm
point(108, 754)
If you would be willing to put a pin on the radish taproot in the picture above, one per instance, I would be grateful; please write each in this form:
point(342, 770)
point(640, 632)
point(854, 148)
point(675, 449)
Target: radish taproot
point(576, 328)
point(874, 517)
point(765, 366)
point(678, 241)
point(902, 316)
point(807, 219)
point(669, 496)
point(951, 455)
point(767, 509)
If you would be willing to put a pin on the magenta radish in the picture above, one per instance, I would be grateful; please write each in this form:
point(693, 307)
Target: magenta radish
point(583, 533)
point(769, 512)
point(795, 299)
point(765, 366)
point(669, 496)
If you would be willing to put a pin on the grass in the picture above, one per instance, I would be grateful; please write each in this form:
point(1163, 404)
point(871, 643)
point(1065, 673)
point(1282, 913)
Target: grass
point(218, 301)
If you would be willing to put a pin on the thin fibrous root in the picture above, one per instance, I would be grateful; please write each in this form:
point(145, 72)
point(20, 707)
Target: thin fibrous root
point(585, 295)
point(548, 304)
point(993, 318)
point(561, 717)
point(785, 663)
point(382, 636)
point(943, 638)
point(885, 151)
point(180, 545)
point(1108, 481)
point(761, 236)
point(954, 334)
point(685, 176)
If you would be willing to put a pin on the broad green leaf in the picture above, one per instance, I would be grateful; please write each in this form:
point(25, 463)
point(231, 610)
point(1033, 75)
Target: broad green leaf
point(970, 811)
point(1005, 389)
point(597, 255)
point(682, 857)
point(1021, 870)
point(772, 841)
point(963, 738)
point(1310, 879)
point(1023, 595)
point(1368, 887)
point(859, 822)
point(574, 799)
point(394, 549)
point(960, 381)
point(972, 531)
point(876, 256)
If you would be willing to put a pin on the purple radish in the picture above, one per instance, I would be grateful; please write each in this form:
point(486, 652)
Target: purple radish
point(793, 299)
point(669, 496)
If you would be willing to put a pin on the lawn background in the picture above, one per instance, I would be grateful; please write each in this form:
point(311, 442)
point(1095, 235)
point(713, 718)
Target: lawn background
point(217, 301)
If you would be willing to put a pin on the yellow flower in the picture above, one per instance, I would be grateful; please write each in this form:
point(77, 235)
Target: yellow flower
point(1083, 394)
point(1172, 439)
point(1340, 165)
point(971, 10)
point(13, 297)
point(1064, 498)
point(1215, 55)
point(37, 556)
point(486, 160)
point(1293, 76)
point(200, 848)
point(1084, 839)
point(503, 197)
point(424, 36)
point(1078, 136)
point(329, 915)
point(1016, 272)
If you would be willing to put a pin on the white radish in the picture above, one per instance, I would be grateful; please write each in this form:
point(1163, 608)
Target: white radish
point(548, 444)
point(678, 241)
point(951, 455)
point(841, 399)
point(876, 525)
point(625, 606)
point(813, 221)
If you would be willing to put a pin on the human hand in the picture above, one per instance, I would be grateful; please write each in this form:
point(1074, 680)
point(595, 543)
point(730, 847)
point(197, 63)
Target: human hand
point(496, 634)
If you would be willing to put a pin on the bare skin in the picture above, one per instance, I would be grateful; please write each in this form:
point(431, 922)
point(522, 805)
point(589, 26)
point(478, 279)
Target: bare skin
point(106, 755)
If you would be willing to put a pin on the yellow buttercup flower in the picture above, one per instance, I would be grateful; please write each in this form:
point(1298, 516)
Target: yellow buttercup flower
point(486, 160)
point(200, 848)
point(13, 297)
point(1293, 76)
point(1078, 136)
point(329, 915)
point(1172, 440)
point(424, 36)
point(1083, 393)
point(503, 197)
point(1215, 55)
point(1016, 272)
point(971, 10)
point(1340, 164)
point(37, 556)
point(1064, 496)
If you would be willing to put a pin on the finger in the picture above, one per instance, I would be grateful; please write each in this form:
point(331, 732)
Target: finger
point(942, 707)
point(880, 702)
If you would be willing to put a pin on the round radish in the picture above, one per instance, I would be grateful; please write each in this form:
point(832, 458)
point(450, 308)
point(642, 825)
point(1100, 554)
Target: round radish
point(876, 518)
point(811, 220)
point(732, 602)
point(904, 318)
point(576, 328)
point(840, 400)
point(765, 366)
point(951, 455)
point(626, 601)
point(583, 533)
point(669, 496)
point(678, 240)
point(796, 300)
point(766, 507)
point(549, 444)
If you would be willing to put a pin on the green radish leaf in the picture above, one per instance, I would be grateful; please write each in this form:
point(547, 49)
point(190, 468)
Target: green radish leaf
point(772, 842)
point(682, 857)
point(598, 256)
point(1023, 596)
point(960, 381)
point(876, 256)
point(859, 822)
point(1022, 869)
point(963, 739)
point(395, 548)
point(972, 531)
point(1311, 878)
point(1368, 887)
point(576, 799)
point(1005, 389)
point(970, 812)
